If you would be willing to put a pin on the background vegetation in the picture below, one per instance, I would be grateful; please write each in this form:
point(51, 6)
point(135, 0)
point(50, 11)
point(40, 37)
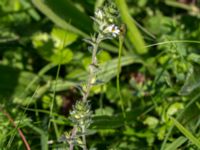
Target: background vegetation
point(43, 60)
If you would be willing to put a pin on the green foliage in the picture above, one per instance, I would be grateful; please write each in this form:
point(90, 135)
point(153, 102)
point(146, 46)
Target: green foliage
point(159, 75)
point(187, 133)
point(65, 14)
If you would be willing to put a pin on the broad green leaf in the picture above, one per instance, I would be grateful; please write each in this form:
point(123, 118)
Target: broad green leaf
point(187, 133)
point(133, 33)
point(106, 122)
point(176, 143)
point(111, 122)
point(62, 38)
point(103, 57)
point(63, 56)
point(61, 85)
point(174, 108)
point(46, 47)
point(64, 14)
point(108, 70)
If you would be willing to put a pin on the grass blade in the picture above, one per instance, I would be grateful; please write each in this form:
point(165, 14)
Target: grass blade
point(187, 133)
point(64, 13)
point(175, 144)
point(133, 32)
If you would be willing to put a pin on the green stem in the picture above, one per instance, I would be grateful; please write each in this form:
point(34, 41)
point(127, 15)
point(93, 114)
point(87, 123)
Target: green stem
point(121, 40)
point(91, 75)
point(84, 138)
point(52, 104)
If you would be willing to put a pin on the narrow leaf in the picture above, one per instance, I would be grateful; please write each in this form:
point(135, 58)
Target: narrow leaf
point(177, 143)
point(187, 133)
point(133, 32)
point(64, 14)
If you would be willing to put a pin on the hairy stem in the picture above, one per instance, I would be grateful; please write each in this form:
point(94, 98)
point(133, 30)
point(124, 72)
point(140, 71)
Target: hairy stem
point(84, 138)
point(89, 81)
point(93, 63)
point(86, 92)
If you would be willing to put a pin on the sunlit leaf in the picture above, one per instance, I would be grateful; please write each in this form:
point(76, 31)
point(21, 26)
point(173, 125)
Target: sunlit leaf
point(62, 38)
point(62, 56)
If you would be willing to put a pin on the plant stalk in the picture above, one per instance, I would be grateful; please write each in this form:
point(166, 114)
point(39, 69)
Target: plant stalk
point(118, 75)
point(94, 63)
point(89, 82)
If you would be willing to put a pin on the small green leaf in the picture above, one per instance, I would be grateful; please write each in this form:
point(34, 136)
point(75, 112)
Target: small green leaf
point(174, 108)
point(53, 50)
point(151, 121)
point(62, 38)
point(62, 56)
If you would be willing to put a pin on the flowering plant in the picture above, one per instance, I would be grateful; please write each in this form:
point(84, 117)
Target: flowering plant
point(105, 19)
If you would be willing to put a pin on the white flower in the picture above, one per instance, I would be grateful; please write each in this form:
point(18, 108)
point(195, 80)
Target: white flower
point(113, 29)
point(99, 14)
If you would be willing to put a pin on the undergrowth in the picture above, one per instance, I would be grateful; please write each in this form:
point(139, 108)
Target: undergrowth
point(132, 83)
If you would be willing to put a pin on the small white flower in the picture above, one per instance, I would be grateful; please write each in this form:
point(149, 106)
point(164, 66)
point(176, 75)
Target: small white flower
point(113, 29)
point(99, 14)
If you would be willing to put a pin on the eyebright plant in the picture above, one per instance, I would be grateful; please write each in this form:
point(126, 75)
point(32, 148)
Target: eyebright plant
point(105, 19)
